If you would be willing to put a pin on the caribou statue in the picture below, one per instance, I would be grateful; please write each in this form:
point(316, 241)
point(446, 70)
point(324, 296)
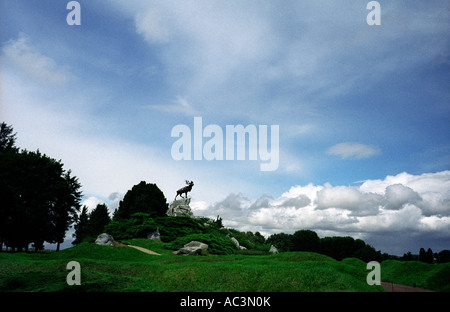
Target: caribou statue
point(185, 189)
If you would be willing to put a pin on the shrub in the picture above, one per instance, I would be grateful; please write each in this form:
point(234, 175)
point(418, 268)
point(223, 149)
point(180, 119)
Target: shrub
point(218, 245)
point(138, 226)
point(172, 228)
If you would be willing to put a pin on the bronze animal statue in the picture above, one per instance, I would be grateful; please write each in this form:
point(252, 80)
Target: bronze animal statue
point(185, 189)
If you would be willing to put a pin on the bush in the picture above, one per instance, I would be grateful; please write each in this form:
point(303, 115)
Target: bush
point(138, 226)
point(172, 228)
point(250, 240)
point(218, 245)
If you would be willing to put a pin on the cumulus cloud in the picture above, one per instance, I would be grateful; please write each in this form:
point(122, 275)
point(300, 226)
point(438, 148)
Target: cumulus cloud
point(349, 198)
point(297, 202)
point(351, 150)
point(397, 195)
point(373, 209)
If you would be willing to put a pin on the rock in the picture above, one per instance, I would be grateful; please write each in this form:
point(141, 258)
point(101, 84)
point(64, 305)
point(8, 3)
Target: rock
point(192, 248)
point(154, 235)
point(236, 242)
point(105, 239)
point(273, 249)
point(180, 207)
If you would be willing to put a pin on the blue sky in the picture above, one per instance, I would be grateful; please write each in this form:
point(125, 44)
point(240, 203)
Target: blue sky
point(360, 108)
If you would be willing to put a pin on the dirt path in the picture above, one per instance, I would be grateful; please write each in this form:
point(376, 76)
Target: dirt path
point(391, 287)
point(148, 251)
point(145, 250)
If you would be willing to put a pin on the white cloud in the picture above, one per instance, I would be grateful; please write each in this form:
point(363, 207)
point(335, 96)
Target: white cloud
point(349, 198)
point(317, 48)
point(353, 150)
point(398, 195)
point(150, 24)
point(38, 66)
point(376, 208)
point(91, 202)
point(297, 202)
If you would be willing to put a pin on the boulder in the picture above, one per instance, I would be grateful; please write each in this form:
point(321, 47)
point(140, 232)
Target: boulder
point(192, 248)
point(105, 239)
point(155, 235)
point(273, 249)
point(236, 242)
point(180, 207)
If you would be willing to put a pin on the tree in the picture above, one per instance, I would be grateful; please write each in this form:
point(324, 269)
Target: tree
point(81, 227)
point(98, 219)
point(282, 241)
point(443, 256)
point(143, 197)
point(7, 144)
point(426, 256)
point(66, 207)
point(7, 139)
point(429, 256)
point(408, 257)
point(305, 240)
point(39, 198)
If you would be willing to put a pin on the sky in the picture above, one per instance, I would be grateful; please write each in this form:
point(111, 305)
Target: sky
point(362, 110)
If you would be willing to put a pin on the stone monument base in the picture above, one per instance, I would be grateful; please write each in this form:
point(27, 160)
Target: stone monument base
point(180, 207)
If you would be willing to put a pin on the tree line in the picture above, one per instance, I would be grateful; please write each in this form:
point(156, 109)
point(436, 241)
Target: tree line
point(428, 256)
point(40, 199)
point(336, 247)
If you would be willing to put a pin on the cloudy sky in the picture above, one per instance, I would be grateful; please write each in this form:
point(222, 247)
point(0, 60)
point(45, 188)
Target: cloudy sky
point(363, 111)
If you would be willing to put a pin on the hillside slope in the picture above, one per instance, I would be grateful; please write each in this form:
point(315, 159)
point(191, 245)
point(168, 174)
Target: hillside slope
point(107, 268)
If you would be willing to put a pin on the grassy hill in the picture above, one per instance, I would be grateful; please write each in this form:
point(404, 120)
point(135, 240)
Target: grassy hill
point(431, 276)
point(123, 269)
point(107, 268)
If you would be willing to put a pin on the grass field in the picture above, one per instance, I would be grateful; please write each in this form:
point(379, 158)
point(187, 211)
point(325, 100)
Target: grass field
point(107, 268)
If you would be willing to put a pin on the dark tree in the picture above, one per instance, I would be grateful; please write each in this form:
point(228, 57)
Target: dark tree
point(305, 240)
point(40, 199)
point(282, 241)
point(143, 197)
point(7, 144)
point(443, 256)
point(67, 206)
point(429, 256)
point(7, 139)
point(81, 227)
point(426, 256)
point(98, 219)
point(407, 257)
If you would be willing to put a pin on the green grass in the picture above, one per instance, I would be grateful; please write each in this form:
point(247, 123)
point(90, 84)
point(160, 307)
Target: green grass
point(431, 276)
point(107, 268)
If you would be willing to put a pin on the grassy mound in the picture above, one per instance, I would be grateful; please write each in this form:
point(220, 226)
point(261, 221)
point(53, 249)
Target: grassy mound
point(431, 276)
point(107, 268)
